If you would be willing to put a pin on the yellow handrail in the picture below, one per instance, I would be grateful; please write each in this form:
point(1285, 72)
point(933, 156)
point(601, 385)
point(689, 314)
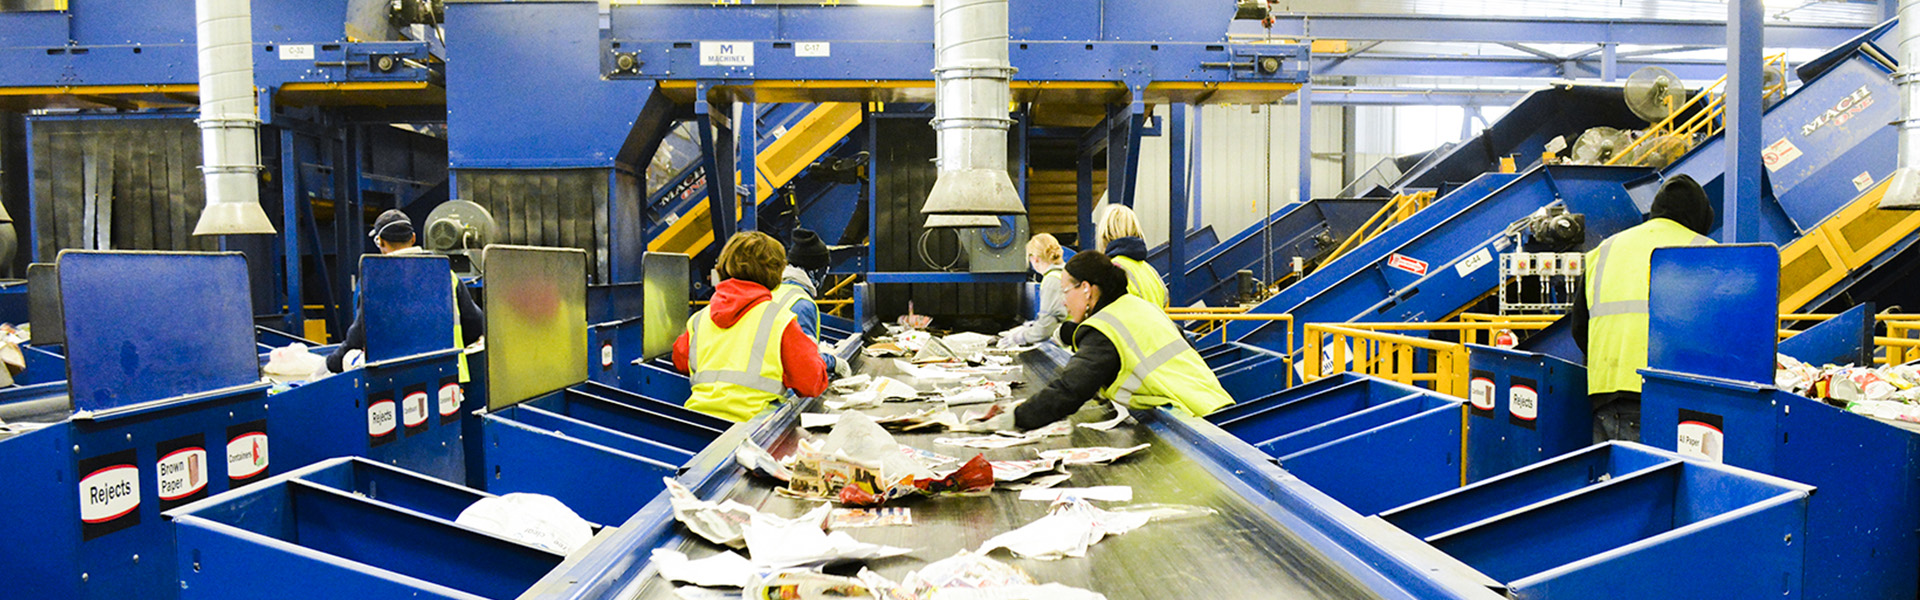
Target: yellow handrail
point(1222, 318)
point(1384, 355)
point(1703, 123)
point(1896, 347)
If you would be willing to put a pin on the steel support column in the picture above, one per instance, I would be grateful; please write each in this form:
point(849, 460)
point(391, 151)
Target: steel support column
point(1609, 62)
point(1741, 189)
point(1176, 201)
point(1305, 164)
point(716, 150)
point(748, 133)
point(295, 319)
point(1084, 188)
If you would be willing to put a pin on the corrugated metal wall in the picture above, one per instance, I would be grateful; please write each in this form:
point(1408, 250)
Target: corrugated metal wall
point(903, 172)
point(563, 208)
point(1247, 166)
point(122, 184)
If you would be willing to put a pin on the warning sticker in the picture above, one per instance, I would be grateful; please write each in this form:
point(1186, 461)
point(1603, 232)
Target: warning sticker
point(1407, 263)
point(1779, 154)
point(1862, 181)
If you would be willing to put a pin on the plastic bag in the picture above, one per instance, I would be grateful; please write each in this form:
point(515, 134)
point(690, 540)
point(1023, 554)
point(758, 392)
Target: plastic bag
point(293, 363)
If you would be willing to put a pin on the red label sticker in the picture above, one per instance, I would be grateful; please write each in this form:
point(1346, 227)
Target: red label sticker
point(1407, 263)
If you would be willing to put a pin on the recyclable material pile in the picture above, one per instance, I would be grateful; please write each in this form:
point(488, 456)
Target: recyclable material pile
point(1883, 392)
point(848, 462)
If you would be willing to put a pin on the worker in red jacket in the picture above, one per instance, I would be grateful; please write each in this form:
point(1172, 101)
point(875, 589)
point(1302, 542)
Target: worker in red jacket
point(742, 353)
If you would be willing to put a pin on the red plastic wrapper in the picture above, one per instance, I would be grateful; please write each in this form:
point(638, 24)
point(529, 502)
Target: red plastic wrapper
point(976, 475)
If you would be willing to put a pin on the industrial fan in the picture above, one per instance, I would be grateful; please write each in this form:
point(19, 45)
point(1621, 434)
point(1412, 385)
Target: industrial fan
point(459, 229)
point(1654, 93)
point(1597, 145)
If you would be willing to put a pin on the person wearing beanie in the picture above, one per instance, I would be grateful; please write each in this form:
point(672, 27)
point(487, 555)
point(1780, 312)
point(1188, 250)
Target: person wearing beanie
point(806, 263)
point(1120, 238)
point(1610, 319)
point(742, 352)
point(393, 235)
point(1125, 350)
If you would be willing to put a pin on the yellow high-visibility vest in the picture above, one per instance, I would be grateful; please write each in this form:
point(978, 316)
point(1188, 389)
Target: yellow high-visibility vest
point(1618, 273)
point(1157, 366)
point(736, 371)
point(1143, 281)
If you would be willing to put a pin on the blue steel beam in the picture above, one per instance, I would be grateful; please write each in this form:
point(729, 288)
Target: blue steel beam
point(1348, 96)
point(1425, 65)
point(1537, 30)
point(1741, 194)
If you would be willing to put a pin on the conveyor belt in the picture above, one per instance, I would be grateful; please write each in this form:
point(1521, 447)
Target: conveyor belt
point(1238, 553)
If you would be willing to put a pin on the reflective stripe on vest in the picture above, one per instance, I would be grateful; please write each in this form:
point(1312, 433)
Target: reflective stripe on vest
point(1616, 292)
point(751, 377)
point(459, 338)
point(1156, 361)
point(1143, 281)
point(788, 296)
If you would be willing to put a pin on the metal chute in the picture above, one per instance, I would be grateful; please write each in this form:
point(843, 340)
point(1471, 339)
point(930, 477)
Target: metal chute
point(972, 75)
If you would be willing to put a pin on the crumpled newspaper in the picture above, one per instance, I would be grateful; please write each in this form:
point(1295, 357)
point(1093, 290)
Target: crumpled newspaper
point(773, 542)
point(1070, 527)
point(758, 461)
point(722, 523)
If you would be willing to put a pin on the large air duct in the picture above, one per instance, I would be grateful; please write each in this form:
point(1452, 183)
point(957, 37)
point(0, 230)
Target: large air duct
point(972, 72)
point(1903, 191)
point(229, 144)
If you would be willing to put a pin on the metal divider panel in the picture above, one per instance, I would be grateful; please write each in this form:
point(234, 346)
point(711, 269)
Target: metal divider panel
point(147, 326)
point(43, 304)
point(408, 302)
point(668, 291)
point(1714, 311)
point(536, 322)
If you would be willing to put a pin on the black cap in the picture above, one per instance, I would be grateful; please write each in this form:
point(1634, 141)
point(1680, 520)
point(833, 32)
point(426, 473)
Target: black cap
point(392, 226)
point(808, 252)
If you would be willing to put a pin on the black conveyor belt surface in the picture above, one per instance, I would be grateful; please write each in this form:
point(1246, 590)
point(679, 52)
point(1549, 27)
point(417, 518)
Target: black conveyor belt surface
point(1238, 553)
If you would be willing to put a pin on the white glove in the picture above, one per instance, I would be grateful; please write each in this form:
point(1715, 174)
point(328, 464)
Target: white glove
point(840, 368)
point(1000, 422)
point(1007, 339)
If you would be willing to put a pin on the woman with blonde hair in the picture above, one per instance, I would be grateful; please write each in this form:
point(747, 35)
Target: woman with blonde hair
point(731, 355)
point(1120, 239)
point(1043, 256)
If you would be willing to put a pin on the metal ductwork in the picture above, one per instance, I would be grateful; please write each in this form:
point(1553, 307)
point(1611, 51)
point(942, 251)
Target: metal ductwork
point(972, 72)
point(961, 221)
point(229, 141)
point(1903, 189)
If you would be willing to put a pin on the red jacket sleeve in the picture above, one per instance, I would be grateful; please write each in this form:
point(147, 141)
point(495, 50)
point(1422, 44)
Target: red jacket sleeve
point(800, 357)
point(680, 355)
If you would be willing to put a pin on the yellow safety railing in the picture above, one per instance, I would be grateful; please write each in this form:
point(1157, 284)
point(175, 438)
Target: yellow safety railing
point(1703, 123)
point(1395, 211)
point(1898, 346)
point(1394, 356)
point(1334, 349)
point(1228, 315)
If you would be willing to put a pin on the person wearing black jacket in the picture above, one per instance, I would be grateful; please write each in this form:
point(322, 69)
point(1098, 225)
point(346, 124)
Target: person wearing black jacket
point(1165, 369)
point(393, 234)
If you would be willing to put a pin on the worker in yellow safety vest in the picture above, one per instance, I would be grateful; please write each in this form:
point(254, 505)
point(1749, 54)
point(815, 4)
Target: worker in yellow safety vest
point(743, 351)
point(1125, 349)
point(1120, 238)
point(1610, 319)
point(1043, 256)
point(393, 235)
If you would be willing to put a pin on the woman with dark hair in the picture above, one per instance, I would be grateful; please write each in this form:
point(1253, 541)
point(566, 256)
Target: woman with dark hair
point(1125, 350)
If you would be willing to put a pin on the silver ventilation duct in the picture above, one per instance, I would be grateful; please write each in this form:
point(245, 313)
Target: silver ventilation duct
point(229, 145)
point(1903, 191)
point(961, 221)
point(972, 72)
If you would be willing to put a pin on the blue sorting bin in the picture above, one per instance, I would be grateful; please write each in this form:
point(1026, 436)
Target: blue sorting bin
point(600, 450)
point(348, 528)
point(1620, 520)
point(1367, 442)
